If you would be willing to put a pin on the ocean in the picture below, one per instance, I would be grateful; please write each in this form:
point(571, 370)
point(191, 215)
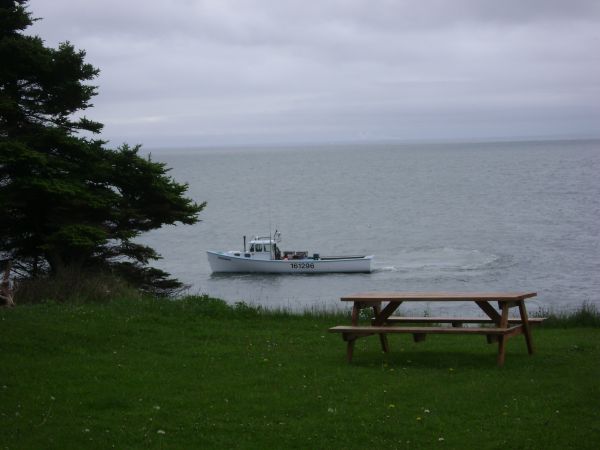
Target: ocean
point(511, 216)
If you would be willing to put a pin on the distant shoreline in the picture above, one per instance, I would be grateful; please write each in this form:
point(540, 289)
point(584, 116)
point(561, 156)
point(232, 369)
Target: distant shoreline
point(283, 146)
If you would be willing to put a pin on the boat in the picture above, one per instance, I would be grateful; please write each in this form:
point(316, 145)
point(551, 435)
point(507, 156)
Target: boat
point(265, 256)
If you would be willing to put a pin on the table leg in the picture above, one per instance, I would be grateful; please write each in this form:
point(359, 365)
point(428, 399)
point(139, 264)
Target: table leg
point(492, 314)
point(526, 326)
point(382, 337)
point(350, 340)
point(490, 311)
point(350, 348)
point(356, 313)
point(386, 312)
point(502, 338)
point(380, 319)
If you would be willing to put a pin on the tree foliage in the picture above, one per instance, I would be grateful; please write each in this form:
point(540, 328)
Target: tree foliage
point(66, 200)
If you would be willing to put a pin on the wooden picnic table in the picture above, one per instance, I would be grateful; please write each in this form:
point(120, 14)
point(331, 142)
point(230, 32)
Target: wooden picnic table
point(498, 327)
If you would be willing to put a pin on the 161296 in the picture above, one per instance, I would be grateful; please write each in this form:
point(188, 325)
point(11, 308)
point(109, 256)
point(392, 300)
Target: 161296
point(302, 265)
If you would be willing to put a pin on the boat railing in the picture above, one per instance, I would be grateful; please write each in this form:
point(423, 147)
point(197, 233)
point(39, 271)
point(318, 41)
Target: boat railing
point(294, 255)
point(343, 257)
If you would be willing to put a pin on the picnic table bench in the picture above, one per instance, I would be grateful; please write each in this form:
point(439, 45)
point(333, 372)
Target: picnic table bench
point(497, 327)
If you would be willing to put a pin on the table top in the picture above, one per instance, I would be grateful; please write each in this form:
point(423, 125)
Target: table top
point(438, 296)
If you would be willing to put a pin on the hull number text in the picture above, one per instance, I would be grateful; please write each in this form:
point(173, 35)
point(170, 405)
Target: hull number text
point(302, 265)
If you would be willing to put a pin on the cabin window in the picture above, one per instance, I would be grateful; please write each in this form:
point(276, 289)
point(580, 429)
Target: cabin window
point(252, 247)
point(267, 248)
point(258, 247)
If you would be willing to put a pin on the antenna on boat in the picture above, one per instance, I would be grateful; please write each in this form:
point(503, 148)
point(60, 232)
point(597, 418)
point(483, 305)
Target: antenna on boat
point(271, 251)
point(244, 244)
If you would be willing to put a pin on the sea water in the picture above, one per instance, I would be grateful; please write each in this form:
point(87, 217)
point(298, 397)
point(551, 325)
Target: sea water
point(521, 216)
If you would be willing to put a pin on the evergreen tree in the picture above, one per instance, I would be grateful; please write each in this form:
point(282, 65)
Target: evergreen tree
point(66, 201)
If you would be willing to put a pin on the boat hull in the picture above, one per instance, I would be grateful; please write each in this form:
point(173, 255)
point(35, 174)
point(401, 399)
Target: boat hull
point(222, 262)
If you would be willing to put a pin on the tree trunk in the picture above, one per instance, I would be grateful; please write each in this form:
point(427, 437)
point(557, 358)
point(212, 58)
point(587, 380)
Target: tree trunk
point(6, 293)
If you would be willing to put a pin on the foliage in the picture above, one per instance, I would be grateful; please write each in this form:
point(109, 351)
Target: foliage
point(74, 286)
point(68, 202)
point(585, 316)
point(145, 373)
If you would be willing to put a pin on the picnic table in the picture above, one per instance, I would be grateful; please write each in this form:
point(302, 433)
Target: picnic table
point(497, 327)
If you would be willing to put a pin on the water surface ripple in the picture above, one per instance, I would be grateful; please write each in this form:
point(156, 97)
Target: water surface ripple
point(502, 216)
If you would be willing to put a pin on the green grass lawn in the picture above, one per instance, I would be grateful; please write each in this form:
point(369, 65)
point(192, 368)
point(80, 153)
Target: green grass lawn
point(197, 374)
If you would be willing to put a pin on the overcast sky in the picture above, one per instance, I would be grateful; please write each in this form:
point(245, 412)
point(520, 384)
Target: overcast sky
point(222, 72)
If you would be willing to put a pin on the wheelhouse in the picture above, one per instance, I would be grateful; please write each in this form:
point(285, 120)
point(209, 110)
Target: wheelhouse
point(265, 247)
point(260, 244)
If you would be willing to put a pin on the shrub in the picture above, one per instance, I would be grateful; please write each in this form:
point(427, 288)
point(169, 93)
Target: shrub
point(585, 316)
point(72, 286)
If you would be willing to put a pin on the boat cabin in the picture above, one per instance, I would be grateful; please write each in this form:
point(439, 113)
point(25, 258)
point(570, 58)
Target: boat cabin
point(265, 247)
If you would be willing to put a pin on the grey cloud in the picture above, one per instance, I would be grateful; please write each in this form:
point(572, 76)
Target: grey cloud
point(194, 72)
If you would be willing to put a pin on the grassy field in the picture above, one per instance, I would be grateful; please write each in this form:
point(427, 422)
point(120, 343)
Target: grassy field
point(199, 374)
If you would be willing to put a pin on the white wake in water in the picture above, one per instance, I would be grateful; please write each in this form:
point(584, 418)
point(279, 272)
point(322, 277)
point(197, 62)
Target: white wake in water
point(439, 259)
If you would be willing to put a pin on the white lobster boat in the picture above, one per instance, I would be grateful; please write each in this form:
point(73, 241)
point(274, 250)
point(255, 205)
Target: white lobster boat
point(265, 256)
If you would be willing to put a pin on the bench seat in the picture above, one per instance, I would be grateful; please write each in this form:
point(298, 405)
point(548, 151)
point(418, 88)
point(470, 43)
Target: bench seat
point(492, 334)
point(457, 320)
point(365, 329)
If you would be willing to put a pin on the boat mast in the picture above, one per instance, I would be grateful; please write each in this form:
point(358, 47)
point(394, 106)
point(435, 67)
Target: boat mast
point(271, 252)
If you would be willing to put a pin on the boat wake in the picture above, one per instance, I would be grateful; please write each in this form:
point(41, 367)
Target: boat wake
point(445, 259)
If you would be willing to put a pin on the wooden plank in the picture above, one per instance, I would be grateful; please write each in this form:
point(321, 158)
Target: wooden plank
point(526, 327)
point(514, 331)
point(380, 316)
point(367, 330)
point(490, 311)
point(350, 349)
point(502, 338)
point(386, 312)
point(385, 346)
point(356, 312)
point(438, 296)
point(358, 306)
point(431, 319)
